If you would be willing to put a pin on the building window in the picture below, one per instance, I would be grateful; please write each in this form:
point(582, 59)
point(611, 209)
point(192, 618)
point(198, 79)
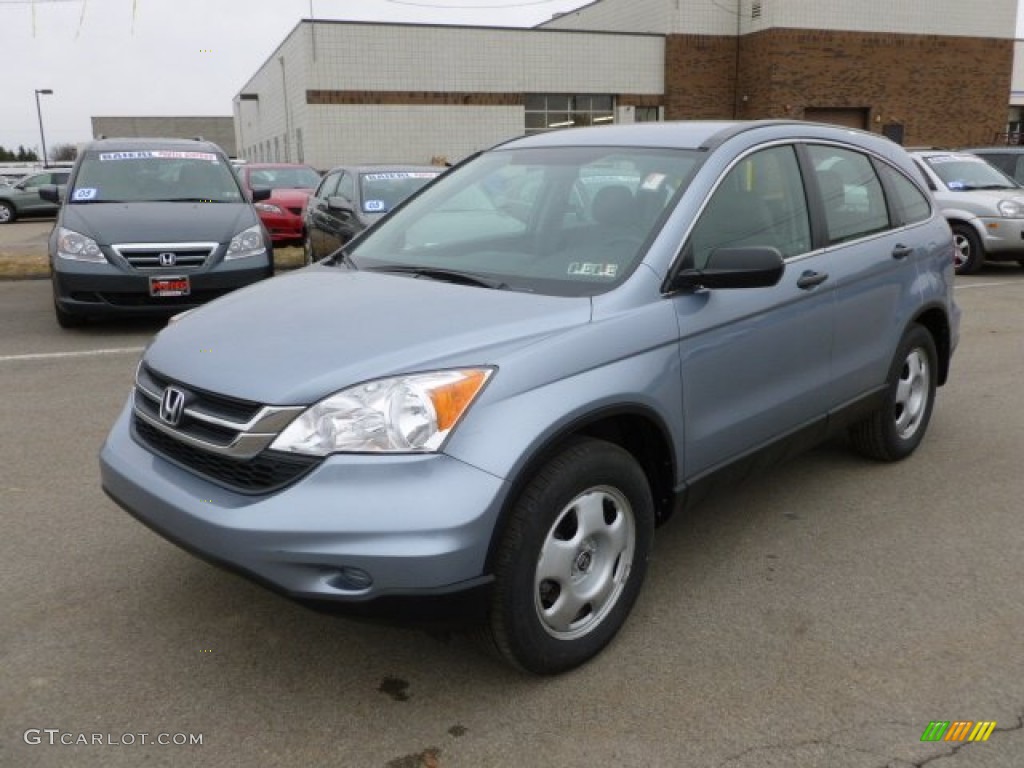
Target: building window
point(646, 114)
point(551, 111)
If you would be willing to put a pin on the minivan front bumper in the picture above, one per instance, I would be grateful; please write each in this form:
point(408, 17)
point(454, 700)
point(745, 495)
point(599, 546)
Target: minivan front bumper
point(84, 288)
point(355, 529)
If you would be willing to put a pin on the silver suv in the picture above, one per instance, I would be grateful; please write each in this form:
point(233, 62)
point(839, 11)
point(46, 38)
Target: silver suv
point(489, 400)
point(984, 207)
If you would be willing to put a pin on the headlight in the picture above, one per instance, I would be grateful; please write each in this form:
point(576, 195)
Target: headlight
point(248, 242)
point(78, 247)
point(404, 414)
point(1012, 209)
point(267, 208)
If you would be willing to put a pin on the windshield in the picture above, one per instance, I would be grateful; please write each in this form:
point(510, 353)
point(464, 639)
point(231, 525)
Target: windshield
point(154, 176)
point(966, 172)
point(380, 192)
point(569, 221)
point(284, 178)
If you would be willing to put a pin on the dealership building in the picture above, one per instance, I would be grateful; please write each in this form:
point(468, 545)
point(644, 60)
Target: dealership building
point(924, 72)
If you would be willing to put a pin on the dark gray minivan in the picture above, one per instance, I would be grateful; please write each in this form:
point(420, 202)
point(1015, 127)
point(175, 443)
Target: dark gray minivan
point(152, 227)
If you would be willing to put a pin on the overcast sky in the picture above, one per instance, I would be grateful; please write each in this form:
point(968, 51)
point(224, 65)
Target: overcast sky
point(176, 57)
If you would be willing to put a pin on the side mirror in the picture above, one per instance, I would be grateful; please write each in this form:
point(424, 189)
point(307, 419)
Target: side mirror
point(50, 193)
point(745, 267)
point(340, 204)
point(261, 193)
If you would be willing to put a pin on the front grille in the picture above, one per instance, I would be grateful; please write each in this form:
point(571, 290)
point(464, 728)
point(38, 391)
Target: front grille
point(228, 408)
point(149, 257)
point(223, 439)
point(266, 473)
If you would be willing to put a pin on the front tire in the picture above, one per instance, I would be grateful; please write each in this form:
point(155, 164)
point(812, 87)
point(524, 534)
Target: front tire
point(894, 431)
point(969, 253)
point(572, 558)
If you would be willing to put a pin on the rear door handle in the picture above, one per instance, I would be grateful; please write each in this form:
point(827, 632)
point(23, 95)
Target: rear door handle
point(901, 251)
point(811, 279)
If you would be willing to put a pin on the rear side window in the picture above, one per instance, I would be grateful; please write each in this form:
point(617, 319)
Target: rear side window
point(910, 203)
point(760, 202)
point(850, 192)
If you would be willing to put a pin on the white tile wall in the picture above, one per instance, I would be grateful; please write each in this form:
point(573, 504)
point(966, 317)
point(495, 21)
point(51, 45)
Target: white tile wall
point(992, 18)
point(371, 57)
point(342, 134)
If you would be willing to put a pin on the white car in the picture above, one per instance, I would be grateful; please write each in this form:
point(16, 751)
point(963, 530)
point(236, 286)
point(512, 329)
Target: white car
point(984, 207)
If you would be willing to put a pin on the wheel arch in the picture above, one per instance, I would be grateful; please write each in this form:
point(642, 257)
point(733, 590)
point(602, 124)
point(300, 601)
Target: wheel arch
point(934, 320)
point(638, 430)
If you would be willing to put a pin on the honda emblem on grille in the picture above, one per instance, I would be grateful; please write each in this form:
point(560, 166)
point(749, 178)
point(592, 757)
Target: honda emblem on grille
point(172, 406)
point(168, 259)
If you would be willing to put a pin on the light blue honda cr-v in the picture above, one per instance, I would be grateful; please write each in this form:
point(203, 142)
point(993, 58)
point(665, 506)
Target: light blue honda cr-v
point(492, 397)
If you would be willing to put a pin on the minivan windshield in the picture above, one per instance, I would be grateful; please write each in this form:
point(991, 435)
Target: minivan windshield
point(963, 173)
point(154, 176)
point(569, 221)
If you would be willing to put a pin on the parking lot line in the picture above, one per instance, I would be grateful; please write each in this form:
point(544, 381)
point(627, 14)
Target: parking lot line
point(78, 353)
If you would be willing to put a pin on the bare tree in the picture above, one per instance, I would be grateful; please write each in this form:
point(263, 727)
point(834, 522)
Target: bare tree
point(63, 153)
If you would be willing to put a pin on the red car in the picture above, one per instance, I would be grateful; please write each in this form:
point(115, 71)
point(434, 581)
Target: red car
point(290, 185)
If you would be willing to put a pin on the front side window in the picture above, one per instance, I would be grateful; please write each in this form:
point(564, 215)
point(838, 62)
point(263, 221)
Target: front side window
point(327, 186)
point(850, 191)
point(570, 221)
point(759, 202)
point(142, 176)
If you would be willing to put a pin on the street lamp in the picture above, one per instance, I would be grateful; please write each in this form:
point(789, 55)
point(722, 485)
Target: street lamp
point(42, 137)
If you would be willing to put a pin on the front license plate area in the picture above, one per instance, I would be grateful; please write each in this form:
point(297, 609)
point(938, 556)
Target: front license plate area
point(169, 286)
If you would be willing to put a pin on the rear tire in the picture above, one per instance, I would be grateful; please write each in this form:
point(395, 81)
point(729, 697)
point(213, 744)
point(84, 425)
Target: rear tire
point(894, 431)
point(969, 253)
point(571, 559)
point(7, 213)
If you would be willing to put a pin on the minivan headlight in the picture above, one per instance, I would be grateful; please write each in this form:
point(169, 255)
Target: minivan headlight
point(401, 414)
point(248, 242)
point(1011, 208)
point(77, 247)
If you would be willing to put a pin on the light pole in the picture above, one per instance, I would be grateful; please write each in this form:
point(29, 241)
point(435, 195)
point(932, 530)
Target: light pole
point(39, 112)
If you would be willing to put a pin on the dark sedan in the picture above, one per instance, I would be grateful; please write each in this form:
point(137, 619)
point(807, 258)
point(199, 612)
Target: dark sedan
point(352, 198)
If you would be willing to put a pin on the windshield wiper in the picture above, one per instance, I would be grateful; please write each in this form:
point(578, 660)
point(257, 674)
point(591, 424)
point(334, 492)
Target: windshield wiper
point(444, 275)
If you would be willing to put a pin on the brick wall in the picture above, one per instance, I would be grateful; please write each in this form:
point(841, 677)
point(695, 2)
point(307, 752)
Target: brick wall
point(943, 90)
point(699, 77)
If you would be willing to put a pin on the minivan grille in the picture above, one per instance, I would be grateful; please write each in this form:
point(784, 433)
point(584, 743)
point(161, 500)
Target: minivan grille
point(223, 439)
point(168, 256)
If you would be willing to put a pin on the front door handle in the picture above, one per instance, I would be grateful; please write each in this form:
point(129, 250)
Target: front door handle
point(810, 279)
point(901, 251)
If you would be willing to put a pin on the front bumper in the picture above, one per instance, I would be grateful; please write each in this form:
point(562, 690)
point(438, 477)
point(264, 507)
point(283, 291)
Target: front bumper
point(1003, 239)
point(419, 526)
point(83, 288)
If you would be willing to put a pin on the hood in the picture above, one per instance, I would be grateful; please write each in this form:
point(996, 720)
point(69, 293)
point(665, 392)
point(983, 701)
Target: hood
point(295, 339)
point(109, 223)
point(981, 202)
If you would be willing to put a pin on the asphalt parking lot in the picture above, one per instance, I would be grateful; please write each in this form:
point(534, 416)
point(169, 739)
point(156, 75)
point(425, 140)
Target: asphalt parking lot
point(821, 614)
